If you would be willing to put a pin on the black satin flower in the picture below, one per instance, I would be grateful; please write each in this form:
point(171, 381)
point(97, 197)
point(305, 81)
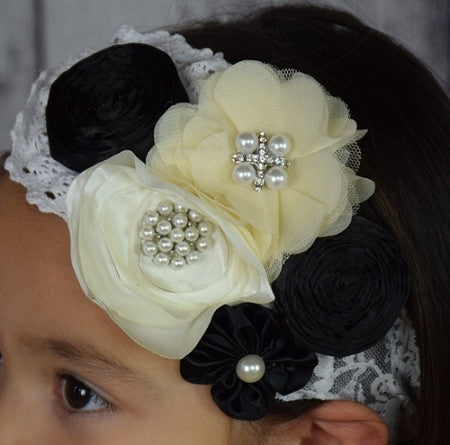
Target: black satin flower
point(236, 332)
point(344, 294)
point(109, 102)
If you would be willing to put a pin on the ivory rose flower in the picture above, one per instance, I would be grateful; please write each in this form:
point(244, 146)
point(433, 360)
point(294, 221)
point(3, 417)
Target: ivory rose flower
point(164, 309)
point(195, 145)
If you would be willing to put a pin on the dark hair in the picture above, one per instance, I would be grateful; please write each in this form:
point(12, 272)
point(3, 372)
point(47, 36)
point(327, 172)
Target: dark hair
point(406, 153)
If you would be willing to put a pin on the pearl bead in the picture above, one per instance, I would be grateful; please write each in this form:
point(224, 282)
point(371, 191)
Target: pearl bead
point(192, 257)
point(165, 244)
point(191, 234)
point(194, 216)
point(178, 208)
point(276, 178)
point(279, 145)
point(179, 220)
point(149, 248)
point(151, 218)
point(165, 208)
point(177, 262)
point(251, 368)
point(246, 142)
point(161, 259)
point(163, 227)
point(202, 243)
point(244, 173)
point(182, 248)
point(204, 227)
point(177, 235)
point(147, 233)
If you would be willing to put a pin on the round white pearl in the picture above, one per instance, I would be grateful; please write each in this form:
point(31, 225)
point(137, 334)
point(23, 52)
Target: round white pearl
point(147, 233)
point(246, 142)
point(251, 368)
point(191, 234)
point(149, 248)
point(244, 173)
point(279, 145)
point(182, 248)
point(177, 235)
point(165, 244)
point(161, 259)
point(151, 218)
point(177, 262)
point(205, 228)
point(165, 208)
point(179, 220)
point(164, 227)
point(192, 257)
point(276, 178)
point(178, 208)
point(201, 244)
point(194, 216)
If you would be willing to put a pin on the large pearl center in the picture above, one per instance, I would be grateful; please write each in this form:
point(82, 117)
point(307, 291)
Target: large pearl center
point(251, 368)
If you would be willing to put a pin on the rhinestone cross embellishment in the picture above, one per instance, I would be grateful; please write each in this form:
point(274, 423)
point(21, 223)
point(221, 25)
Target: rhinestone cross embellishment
point(261, 162)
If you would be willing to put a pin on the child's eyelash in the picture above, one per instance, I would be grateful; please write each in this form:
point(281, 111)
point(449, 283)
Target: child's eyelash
point(77, 397)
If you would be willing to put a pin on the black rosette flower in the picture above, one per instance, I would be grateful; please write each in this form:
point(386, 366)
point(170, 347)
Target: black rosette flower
point(246, 357)
point(344, 294)
point(109, 102)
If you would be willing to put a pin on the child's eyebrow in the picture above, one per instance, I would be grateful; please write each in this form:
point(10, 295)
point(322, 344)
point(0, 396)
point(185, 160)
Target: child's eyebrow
point(82, 354)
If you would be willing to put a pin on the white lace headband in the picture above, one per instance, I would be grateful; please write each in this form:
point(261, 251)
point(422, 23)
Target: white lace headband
point(227, 232)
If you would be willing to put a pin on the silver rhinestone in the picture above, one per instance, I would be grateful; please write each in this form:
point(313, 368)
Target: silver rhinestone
point(182, 248)
point(194, 216)
point(161, 259)
point(192, 257)
point(163, 227)
point(202, 243)
point(149, 248)
point(177, 235)
point(179, 220)
point(165, 244)
point(191, 233)
point(147, 233)
point(165, 208)
point(204, 227)
point(177, 262)
point(151, 218)
point(251, 368)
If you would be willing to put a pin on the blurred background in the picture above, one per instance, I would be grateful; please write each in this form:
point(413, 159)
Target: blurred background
point(35, 34)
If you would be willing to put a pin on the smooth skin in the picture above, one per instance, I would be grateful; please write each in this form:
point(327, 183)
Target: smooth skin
point(48, 332)
point(69, 375)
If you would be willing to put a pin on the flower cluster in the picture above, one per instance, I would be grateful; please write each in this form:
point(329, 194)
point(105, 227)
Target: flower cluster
point(194, 145)
point(253, 174)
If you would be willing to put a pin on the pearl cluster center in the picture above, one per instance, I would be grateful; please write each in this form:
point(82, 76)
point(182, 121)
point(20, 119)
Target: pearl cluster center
point(174, 235)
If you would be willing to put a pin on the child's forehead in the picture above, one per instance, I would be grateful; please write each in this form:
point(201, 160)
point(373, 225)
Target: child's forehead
point(38, 287)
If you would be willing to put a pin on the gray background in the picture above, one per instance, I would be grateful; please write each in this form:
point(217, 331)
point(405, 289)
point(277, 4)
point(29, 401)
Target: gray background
point(39, 33)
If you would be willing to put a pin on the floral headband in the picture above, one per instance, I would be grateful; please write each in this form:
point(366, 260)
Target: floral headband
point(233, 244)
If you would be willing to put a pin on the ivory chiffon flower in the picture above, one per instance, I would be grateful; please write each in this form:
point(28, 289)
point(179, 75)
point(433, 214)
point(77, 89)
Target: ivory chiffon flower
point(195, 145)
point(164, 309)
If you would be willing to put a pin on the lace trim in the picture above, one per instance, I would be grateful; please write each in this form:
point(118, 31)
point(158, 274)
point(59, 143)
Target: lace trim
point(385, 377)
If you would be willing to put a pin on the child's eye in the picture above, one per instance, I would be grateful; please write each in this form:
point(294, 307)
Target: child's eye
point(1, 359)
point(78, 396)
